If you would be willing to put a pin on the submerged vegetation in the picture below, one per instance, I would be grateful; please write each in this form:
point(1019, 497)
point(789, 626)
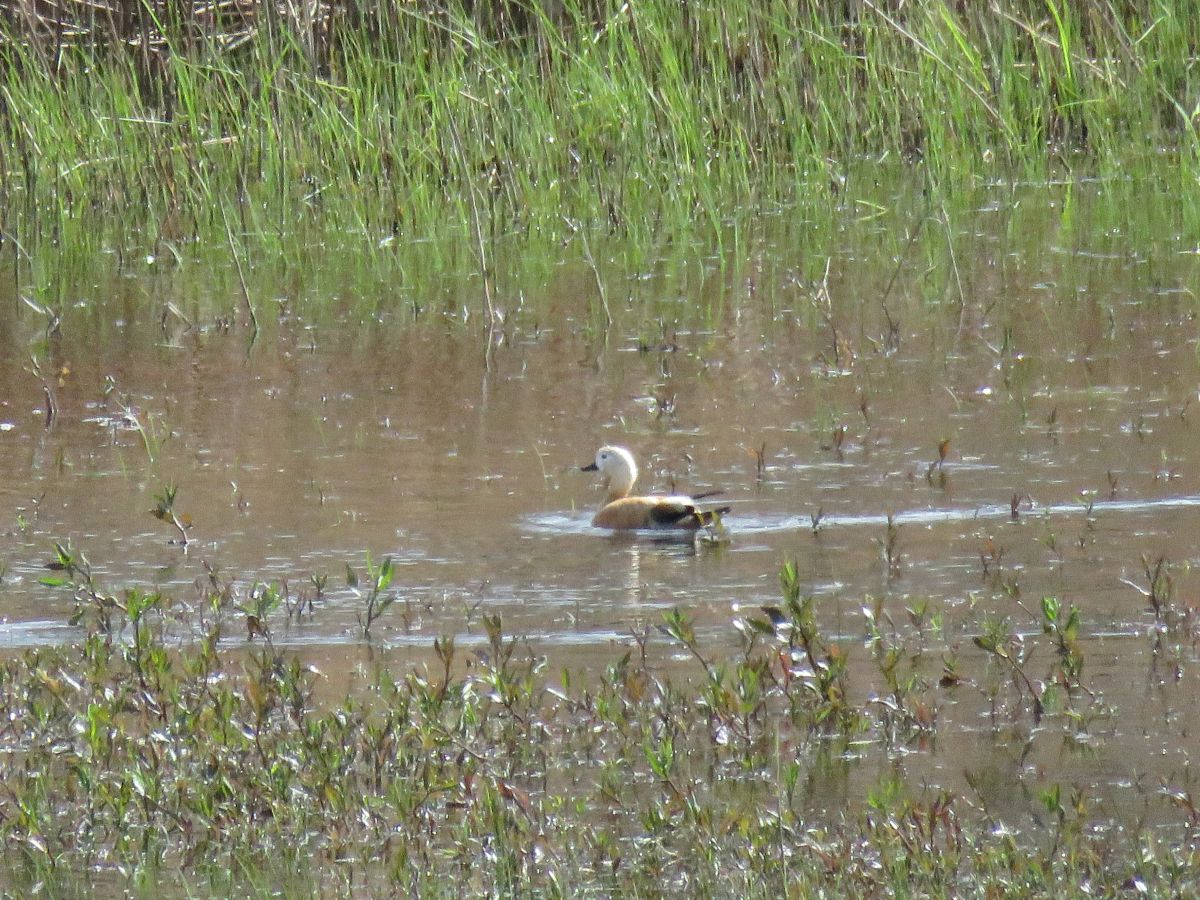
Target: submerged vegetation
point(372, 124)
point(157, 751)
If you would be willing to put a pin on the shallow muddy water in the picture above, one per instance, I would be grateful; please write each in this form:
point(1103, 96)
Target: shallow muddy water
point(1047, 333)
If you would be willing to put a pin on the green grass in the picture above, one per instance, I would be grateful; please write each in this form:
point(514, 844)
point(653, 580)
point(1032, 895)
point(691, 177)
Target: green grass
point(444, 122)
point(161, 750)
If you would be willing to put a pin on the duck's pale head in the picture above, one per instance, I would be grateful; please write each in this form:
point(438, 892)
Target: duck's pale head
point(618, 469)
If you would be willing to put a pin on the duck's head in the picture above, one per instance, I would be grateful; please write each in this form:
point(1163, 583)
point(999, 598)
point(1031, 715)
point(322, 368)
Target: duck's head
point(618, 468)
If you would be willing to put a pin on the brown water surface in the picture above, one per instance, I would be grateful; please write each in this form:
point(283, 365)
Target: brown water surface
point(1052, 343)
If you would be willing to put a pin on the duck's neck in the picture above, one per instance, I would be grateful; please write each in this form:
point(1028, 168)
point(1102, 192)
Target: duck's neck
point(618, 488)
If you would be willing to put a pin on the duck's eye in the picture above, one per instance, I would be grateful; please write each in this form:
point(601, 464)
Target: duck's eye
point(604, 456)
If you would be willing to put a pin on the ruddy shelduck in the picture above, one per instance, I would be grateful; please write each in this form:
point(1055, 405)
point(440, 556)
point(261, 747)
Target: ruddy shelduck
point(622, 512)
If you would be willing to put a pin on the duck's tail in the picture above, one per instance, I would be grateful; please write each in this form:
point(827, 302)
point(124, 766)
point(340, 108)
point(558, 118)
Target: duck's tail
point(708, 517)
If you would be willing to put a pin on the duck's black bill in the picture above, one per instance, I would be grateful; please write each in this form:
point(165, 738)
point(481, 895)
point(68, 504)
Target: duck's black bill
point(590, 467)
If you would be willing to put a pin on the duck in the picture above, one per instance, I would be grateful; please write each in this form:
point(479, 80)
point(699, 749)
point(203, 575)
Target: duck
point(622, 512)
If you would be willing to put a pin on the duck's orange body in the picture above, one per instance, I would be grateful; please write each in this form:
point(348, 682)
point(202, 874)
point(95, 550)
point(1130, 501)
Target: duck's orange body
point(622, 512)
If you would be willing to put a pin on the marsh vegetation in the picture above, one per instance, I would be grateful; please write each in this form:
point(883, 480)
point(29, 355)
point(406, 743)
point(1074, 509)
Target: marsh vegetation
point(263, 128)
point(310, 316)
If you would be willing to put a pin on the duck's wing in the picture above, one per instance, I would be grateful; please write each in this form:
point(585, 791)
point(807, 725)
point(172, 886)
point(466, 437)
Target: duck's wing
point(653, 512)
point(682, 512)
point(630, 513)
point(675, 512)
